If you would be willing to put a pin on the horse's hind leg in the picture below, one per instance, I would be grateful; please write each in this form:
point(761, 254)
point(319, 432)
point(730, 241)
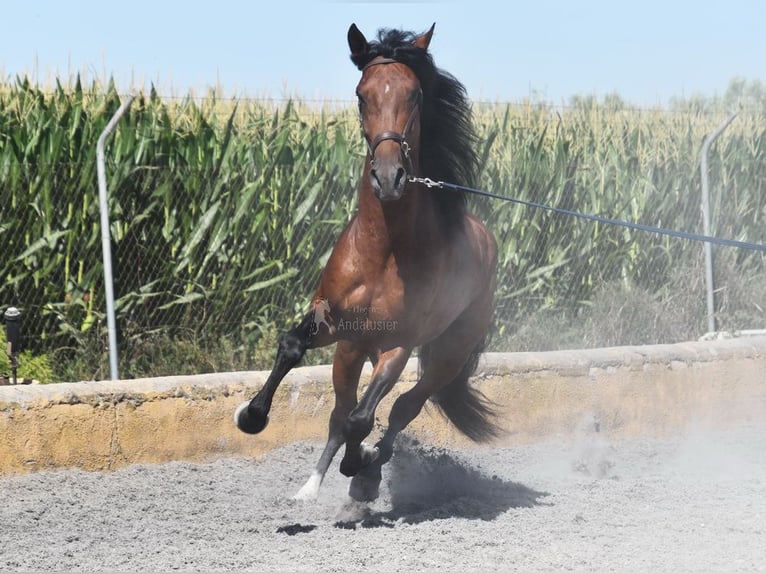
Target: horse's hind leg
point(365, 485)
point(361, 419)
point(449, 363)
point(347, 366)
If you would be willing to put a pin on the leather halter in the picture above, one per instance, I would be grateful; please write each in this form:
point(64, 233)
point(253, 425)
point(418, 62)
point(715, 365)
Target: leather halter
point(400, 138)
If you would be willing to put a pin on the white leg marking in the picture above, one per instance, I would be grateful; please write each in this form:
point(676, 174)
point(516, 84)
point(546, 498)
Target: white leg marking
point(372, 451)
point(310, 490)
point(240, 408)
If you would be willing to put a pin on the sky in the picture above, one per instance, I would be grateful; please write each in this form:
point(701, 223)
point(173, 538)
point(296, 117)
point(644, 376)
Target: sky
point(648, 52)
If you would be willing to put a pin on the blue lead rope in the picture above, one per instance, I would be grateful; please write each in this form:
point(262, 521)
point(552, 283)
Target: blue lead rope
point(619, 222)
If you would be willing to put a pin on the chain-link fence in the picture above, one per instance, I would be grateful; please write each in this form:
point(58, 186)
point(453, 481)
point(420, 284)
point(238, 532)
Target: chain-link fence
point(231, 267)
point(220, 230)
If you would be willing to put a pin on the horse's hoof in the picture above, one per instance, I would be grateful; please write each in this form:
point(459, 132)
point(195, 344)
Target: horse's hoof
point(359, 458)
point(348, 467)
point(364, 488)
point(247, 423)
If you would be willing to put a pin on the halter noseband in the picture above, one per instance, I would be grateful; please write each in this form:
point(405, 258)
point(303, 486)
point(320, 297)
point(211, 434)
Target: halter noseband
point(400, 138)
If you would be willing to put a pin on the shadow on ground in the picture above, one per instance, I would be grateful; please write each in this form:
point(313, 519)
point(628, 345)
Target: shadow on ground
point(426, 483)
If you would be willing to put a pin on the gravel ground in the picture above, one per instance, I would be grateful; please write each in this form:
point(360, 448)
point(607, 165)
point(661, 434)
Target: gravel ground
point(695, 502)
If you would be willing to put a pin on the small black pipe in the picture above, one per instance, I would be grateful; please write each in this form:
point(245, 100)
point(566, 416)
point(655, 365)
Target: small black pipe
point(12, 317)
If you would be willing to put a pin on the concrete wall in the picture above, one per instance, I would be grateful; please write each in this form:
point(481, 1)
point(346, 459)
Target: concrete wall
point(629, 390)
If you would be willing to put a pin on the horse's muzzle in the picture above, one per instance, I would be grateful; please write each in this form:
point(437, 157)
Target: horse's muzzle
point(388, 181)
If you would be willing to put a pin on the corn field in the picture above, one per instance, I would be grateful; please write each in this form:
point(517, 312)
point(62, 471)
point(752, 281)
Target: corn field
point(223, 213)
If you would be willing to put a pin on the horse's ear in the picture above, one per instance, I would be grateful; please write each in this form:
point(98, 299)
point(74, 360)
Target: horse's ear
point(424, 40)
point(357, 43)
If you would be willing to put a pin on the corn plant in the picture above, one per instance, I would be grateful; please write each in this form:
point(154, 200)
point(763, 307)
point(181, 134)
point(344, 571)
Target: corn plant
point(224, 212)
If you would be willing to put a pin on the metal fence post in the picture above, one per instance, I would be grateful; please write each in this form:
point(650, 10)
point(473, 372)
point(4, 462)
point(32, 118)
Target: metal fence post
point(709, 281)
point(106, 238)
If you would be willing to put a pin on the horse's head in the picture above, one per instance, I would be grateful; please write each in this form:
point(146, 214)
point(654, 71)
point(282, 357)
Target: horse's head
point(390, 99)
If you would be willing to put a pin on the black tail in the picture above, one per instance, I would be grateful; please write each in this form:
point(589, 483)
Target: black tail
point(472, 413)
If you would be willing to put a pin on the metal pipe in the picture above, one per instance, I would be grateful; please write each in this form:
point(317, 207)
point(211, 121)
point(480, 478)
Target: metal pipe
point(709, 281)
point(106, 237)
point(12, 318)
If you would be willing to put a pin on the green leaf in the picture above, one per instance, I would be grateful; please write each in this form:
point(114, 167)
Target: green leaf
point(273, 281)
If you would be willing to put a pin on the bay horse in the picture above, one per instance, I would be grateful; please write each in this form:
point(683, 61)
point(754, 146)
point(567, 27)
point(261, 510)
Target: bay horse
point(413, 269)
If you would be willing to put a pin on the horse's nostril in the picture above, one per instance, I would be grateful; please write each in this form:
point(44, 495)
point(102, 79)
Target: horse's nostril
point(374, 179)
point(400, 174)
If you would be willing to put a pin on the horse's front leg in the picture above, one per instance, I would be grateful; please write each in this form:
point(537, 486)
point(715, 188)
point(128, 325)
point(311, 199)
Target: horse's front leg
point(362, 418)
point(346, 368)
point(253, 416)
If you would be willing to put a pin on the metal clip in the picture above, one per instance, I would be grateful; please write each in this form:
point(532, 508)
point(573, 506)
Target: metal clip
point(427, 181)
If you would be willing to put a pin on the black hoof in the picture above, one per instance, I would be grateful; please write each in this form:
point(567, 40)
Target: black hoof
point(357, 458)
point(248, 423)
point(364, 488)
point(349, 467)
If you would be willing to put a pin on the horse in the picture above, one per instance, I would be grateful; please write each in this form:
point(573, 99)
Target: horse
point(413, 270)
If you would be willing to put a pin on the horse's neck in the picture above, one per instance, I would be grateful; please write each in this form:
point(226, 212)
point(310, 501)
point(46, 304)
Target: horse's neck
point(386, 227)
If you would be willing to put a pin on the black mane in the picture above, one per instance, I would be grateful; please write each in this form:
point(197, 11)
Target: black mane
point(448, 139)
